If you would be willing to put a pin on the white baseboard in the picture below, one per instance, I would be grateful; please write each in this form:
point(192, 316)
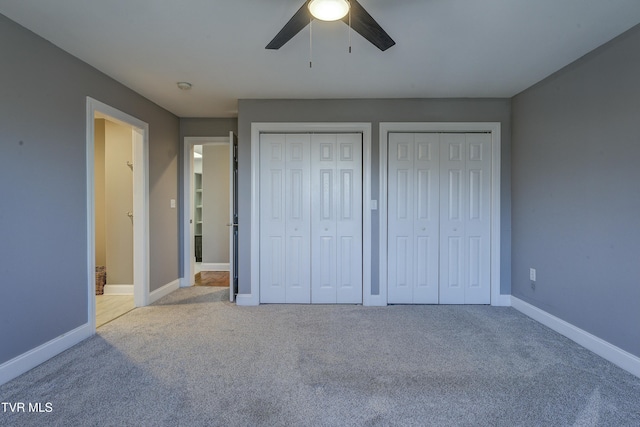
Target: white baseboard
point(163, 291)
point(32, 358)
point(602, 348)
point(118, 289)
point(246, 300)
point(503, 300)
point(214, 266)
point(373, 301)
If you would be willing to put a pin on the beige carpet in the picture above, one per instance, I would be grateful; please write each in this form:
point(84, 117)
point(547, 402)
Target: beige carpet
point(194, 359)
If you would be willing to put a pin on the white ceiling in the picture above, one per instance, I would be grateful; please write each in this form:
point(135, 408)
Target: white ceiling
point(445, 48)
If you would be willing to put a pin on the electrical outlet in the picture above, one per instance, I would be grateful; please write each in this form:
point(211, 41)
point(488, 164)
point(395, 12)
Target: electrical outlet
point(532, 274)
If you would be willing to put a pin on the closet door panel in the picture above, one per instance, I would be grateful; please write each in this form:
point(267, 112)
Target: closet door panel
point(272, 219)
point(465, 229)
point(311, 218)
point(336, 188)
point(413, 214)
point(426, 217)
point(478, 219)
point(349, 218)
point(323, 219)
point(400, 218)
point(298, 219)
point(452, 219)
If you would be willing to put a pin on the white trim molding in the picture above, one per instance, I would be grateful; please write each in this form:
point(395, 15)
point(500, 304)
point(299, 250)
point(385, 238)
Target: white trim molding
point(164, 291)
point(118, 289)
point(497, 299)
point(253, 298)
point(602, 348)
point(32, 358)
point(215, 266)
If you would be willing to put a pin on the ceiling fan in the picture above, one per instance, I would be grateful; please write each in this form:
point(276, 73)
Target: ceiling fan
point(349, 11)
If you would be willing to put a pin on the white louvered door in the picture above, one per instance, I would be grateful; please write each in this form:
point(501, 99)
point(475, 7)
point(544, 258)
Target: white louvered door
point(311, 218)
point(439, 218)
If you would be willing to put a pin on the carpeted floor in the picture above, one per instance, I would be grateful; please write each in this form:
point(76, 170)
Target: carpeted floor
point(194, 359)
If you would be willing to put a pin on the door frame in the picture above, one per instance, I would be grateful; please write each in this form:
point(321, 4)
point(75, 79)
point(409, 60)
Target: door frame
point(443, 127)
point(140, 143)
point(253, 298)
point(188, 241)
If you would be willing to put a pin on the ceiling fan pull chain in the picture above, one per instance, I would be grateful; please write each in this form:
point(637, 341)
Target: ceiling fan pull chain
point(310, 43)
point(349, 30)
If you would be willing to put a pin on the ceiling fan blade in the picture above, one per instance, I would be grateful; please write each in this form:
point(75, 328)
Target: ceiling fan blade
point(297, 22)
point(368, 28)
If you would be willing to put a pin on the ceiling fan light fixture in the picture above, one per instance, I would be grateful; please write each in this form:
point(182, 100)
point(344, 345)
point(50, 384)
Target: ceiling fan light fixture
point(329, 10)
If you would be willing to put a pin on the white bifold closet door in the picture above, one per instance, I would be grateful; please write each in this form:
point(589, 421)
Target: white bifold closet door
point(439, 223)
point(413, 216)
point(311, 218)
point(336, 218)
point(285, 221)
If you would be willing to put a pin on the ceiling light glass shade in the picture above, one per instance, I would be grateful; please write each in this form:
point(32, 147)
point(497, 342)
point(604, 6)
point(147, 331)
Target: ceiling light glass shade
point(329, 10)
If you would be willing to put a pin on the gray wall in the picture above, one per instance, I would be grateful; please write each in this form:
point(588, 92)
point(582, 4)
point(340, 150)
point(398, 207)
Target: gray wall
point(207, 127)
point(576, 193)
point(373, 111)
point(43, 215)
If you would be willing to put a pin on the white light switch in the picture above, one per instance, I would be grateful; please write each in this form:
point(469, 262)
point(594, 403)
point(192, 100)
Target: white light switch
point(532, 274)
point(374, 205)
point(173, 203)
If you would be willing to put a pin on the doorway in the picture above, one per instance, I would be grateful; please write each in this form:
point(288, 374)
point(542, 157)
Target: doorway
point(311, 218)
point(209, 208)
point(439, 212)
point(129, 214)
point(428, 253)
point(367, 293)
point(113, 172)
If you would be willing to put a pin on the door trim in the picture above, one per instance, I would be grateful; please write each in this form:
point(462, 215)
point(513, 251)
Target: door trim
point(492, 127)
point(140, 142)
point(188, 241)
point(253, 298)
